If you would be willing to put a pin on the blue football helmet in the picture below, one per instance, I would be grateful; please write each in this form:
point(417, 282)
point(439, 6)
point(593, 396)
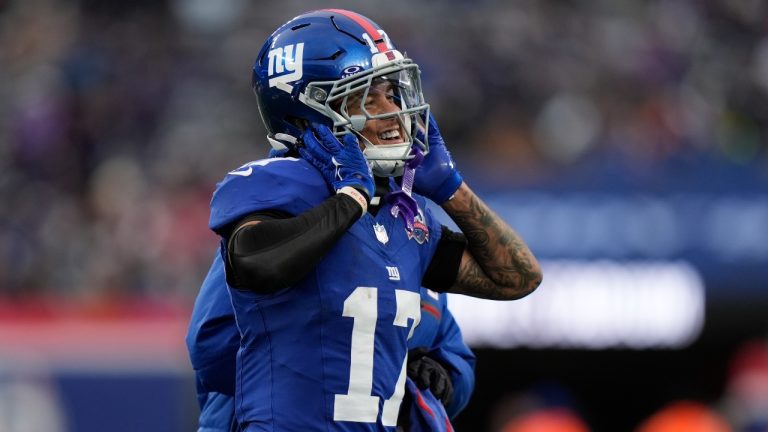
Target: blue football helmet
point(317, 65)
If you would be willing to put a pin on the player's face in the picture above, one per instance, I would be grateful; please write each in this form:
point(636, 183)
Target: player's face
point(380, 99)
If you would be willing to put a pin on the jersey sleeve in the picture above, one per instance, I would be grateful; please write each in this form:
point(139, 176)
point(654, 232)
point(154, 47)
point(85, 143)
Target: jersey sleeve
point(287, 184)
point(450, 349)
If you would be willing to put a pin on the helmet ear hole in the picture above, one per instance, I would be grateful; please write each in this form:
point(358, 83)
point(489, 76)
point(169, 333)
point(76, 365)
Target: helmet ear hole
point(298, 123)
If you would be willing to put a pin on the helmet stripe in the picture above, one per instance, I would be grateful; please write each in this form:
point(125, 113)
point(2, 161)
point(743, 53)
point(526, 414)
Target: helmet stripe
point(366, 25)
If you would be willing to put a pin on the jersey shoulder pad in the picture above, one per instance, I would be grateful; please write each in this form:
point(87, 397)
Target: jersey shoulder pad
point(288, 184)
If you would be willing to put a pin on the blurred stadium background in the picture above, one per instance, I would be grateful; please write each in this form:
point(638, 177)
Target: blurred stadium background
point(626, 140)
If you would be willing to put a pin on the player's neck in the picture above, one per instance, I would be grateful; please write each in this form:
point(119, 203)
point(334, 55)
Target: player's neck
point(382, 188)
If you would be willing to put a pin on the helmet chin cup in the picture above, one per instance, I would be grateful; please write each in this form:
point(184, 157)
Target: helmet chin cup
point(357, 122)
point(387, 160)
point(387, 168)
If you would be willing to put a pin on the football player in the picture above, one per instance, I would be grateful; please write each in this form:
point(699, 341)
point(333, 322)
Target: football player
point(325, 254)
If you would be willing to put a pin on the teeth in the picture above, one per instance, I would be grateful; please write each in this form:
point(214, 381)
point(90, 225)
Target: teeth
point(390, 134)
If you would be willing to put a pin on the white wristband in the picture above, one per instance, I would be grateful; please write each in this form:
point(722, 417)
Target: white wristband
point(357, 195)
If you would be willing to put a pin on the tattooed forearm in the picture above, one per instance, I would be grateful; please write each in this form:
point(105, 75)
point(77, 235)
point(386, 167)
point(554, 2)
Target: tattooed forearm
point(501, 266)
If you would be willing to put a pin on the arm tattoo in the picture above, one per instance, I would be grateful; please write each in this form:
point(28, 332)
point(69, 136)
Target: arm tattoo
point(501, 265)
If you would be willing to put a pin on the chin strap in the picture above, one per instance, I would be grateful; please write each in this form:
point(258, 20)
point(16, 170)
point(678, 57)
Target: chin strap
point(401, 200)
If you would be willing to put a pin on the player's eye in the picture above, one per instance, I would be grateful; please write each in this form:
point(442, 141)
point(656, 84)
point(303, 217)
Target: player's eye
point(353, 101)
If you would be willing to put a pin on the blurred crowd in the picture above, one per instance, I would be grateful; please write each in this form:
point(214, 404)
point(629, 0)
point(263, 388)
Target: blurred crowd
point(118, 118)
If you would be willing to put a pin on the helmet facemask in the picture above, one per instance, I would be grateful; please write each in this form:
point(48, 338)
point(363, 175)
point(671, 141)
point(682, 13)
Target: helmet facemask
point(399, 82)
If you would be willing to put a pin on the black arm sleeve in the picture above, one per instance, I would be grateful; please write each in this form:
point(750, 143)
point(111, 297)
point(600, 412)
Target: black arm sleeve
point(276, 253)
point(442, 271)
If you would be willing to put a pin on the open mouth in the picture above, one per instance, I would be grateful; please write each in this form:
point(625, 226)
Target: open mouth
point(391, 136)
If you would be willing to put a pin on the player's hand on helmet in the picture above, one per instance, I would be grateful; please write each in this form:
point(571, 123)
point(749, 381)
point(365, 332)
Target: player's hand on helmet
point(437, 177)
point(341, 162)
point(428, 373)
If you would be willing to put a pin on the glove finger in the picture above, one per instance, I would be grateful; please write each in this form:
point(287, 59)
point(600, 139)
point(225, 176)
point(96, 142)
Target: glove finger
point(426, 377)
point(437, 384)
point(420, 375)
point(430, 122)
point(309, 144)
point(413, 371)
point(326, 138)
point(350, 141)
point(308, 155)
point(420, 132)
point(447, 393)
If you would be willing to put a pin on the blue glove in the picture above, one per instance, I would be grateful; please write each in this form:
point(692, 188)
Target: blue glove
point(342, 163)
point(437, 177)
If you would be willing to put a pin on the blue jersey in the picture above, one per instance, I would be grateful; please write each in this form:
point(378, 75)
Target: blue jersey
point(213, 341)
point(329, 352)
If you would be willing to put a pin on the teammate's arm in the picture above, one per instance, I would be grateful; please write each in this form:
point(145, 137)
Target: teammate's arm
point(451, 351)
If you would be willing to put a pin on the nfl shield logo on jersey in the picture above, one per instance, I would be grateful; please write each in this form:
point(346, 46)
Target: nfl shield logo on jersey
point(381, 233)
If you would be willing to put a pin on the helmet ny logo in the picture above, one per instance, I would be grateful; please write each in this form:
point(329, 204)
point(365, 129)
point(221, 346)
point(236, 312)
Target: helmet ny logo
point(288, 58)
